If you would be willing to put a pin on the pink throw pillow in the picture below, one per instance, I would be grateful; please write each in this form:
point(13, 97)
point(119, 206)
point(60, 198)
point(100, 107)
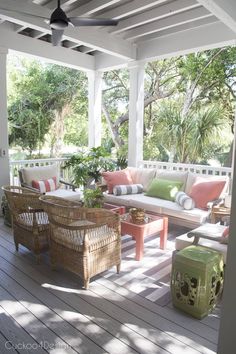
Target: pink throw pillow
point(47, 185)
point(116, 177)
point(205, 190)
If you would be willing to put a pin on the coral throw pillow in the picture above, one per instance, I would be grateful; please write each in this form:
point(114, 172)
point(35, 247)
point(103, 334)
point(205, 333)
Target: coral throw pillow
point(205, 190)
point(117, 177)
point(46, 185)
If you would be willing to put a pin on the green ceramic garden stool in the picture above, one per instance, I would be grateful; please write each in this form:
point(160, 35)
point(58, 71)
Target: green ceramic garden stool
point(196, 280)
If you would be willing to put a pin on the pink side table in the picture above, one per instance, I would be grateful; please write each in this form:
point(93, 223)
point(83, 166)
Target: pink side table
point(116, 208)
point(139, 231)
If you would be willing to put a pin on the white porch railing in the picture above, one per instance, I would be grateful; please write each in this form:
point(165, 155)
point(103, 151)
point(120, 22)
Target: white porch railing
point(200, 169)
point(15, 166)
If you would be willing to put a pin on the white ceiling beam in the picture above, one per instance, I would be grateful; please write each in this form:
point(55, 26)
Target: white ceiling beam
point(154, 14)
point(65, 4)
point(131, 8)
point(179, 28)
point(224, 10)
point(37, 34)
point(56, 55)
point(19, 28)
point(87, 36)
point(168, 22)
point(211, 36)
point(92, 7)
point(105, 62)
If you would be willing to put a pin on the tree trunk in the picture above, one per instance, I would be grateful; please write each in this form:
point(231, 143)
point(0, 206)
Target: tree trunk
point(58, 130)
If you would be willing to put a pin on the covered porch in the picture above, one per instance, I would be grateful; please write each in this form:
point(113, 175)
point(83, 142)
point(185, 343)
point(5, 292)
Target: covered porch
point(127, 313)
point(148, 30)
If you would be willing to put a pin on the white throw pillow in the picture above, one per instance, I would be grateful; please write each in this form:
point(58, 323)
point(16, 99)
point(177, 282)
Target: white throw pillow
point(184, 200)
point(127, 189)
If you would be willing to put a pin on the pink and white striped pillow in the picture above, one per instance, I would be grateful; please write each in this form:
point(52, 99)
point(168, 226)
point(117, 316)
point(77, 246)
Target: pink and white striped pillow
point(47, 185)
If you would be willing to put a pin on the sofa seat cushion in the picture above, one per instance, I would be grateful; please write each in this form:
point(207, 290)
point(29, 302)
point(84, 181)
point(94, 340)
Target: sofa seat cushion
point(159, 206)
point(66, 194)
point(184, 241)
point(117, 200)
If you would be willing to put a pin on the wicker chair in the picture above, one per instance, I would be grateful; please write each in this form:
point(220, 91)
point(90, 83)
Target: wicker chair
point(29, 221)
point(85, 241)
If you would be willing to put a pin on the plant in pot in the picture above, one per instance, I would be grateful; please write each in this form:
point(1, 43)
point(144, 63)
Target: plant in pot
point(93, 198)
point(87, 167)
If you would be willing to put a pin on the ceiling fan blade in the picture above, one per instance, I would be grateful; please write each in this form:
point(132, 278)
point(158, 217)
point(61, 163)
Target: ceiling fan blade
point(56, 36)
point(83, 21)
point(23, 13)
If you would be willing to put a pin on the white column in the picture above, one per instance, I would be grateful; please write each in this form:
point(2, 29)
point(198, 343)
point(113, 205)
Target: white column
point(136, 113)
point(4, 154)
point(227, 334)
point(95, 108)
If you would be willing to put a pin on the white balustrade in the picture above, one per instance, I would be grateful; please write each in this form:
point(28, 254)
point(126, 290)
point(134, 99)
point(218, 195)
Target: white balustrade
point(200, 169)
point(15, 166)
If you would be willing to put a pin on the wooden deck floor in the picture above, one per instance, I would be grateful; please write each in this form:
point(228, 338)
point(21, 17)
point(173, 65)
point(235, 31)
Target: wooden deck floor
point(47, 311)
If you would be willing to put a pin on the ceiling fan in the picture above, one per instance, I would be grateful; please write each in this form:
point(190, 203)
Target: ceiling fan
point(59, 22)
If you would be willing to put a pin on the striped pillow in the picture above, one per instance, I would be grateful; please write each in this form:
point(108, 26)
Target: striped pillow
point(184, 200)
point(47, 185)
point(123, 189)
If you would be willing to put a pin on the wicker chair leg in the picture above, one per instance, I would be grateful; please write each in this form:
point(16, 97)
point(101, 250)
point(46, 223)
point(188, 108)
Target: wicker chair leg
point(118, 268)
point(86, 283)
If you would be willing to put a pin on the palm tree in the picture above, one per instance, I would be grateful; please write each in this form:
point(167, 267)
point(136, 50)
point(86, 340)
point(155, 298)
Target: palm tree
point(187, 137)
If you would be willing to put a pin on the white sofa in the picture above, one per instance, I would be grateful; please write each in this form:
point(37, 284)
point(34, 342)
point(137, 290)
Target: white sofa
point(177, 215)
point(64, 190)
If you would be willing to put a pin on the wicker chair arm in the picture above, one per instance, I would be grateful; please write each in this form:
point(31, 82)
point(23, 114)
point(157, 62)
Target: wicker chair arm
point(94, 243)
point(25, 185)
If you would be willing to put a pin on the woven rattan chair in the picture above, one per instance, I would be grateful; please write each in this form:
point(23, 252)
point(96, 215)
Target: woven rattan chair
point(85, 241)
point(29, 221)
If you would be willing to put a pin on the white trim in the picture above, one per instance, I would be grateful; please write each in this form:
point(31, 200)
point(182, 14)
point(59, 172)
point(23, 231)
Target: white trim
point(210, 36)
point(224, 10)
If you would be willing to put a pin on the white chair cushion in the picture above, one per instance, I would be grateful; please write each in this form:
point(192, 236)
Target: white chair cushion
point(40, 173)
point(66, 194)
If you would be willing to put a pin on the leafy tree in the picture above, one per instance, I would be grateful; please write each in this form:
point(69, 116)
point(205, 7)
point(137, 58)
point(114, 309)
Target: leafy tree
point(41, 98)
point(189, 139)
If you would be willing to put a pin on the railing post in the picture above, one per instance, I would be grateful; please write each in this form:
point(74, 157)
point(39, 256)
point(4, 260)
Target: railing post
point(4, 153)
point(136, 113)
point(95, 108)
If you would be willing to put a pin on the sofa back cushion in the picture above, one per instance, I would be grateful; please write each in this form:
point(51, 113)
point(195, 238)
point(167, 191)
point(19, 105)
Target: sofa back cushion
point(142, 176)
point(116, 178)
point(205, 190)
point(178, 176)
point(164, 189)
point(192, 178)
point(40, 173)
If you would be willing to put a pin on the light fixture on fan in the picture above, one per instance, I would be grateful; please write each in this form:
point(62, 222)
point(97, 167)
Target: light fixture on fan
point(59, 22)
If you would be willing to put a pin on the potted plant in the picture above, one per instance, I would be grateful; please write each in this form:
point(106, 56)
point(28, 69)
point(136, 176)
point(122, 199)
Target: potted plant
point(93, 198)
point(87, 167)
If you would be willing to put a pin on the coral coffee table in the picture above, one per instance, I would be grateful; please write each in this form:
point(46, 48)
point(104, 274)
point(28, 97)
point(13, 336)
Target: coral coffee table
point(153, 225)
